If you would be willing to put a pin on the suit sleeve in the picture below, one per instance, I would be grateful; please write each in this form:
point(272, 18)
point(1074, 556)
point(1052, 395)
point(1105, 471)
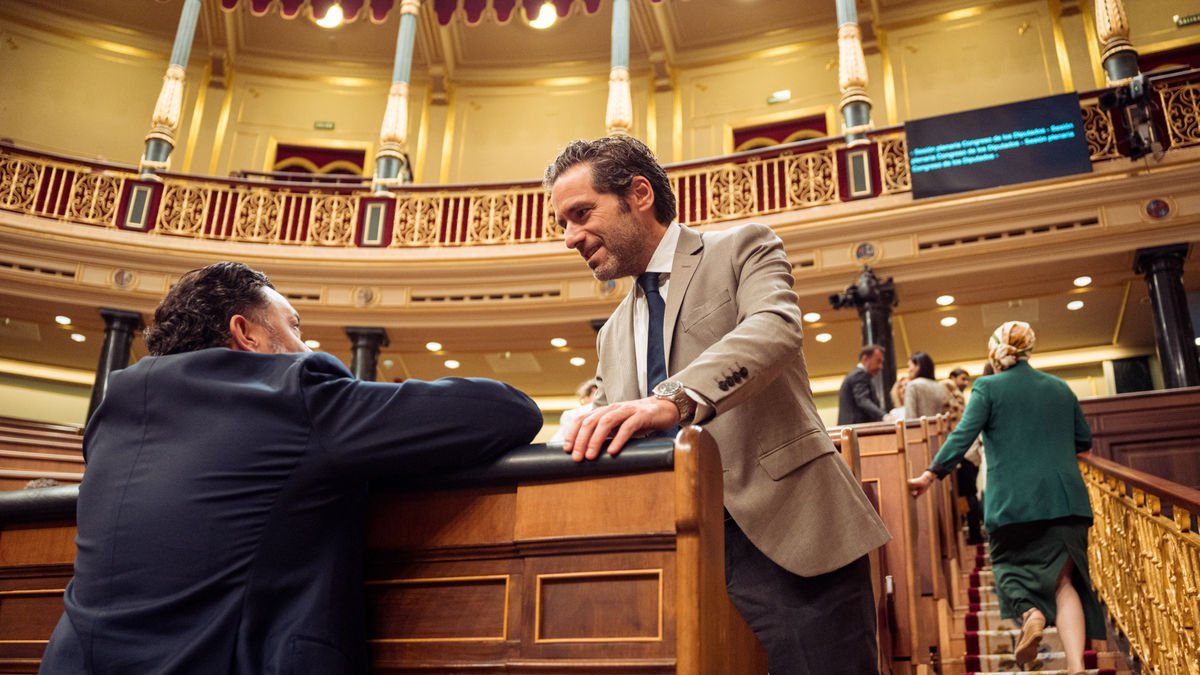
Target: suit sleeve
point(979, 409)
point(768, 331)
point(864, 400)
point(385, 430)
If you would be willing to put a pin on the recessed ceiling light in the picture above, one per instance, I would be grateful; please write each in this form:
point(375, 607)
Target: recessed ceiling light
point(578, 361)
point(948, 321)
point(452, 364)
point(79, 337)
point(558, 342)
point(1198, 342)
point(545, 18)
point(1082, 281)
point(812, 317)
point(824, 337)
point(1075, 305)
point(333, 17)
point(313, 344)
point(62, 320)
point(433, 346)
point(944, 300)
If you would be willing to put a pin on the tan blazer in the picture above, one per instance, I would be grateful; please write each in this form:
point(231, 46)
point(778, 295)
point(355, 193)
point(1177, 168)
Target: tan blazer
point(733, 334)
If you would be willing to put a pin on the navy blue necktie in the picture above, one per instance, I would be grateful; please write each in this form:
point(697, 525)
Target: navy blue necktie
point(656, 363)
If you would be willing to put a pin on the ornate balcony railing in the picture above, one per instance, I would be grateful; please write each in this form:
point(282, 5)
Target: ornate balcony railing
point(1145, 559)
point(253, 209)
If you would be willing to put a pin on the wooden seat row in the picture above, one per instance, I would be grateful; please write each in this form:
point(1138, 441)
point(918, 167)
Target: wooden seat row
point(30, 450)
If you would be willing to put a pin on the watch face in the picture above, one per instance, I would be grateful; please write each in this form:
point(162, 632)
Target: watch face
point(668, 388)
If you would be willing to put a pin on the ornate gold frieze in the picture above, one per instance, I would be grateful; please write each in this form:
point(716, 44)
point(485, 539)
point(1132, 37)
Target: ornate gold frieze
point(94, 198)
point(1182, 107)
point(1098, 130)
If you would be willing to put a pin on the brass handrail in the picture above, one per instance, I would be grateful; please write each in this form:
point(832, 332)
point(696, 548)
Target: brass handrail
point(1145, 562)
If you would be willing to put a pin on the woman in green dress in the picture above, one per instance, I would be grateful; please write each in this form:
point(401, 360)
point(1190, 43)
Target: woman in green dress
point(1037, 512)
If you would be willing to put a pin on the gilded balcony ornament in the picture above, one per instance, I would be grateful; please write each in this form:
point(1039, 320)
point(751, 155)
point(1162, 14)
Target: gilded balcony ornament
point(491, 219)
point(1181, 105)
point(182, 209)
point(893, 160)
point(618, 117)
point(332, 219)
point(167, 109)
point(731, 192)
point(812, 180)
point(19, 180)
point(1098, 130)
point(257, 216)
point(418, 220)
point(94, 199)
point(852, 65)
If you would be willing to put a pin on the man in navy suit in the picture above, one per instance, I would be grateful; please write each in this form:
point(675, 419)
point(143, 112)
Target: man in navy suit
point(857, 400)
point(221, 517)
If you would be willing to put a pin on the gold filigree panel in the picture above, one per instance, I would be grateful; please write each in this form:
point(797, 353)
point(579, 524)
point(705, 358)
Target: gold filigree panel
point(893, 164)
point(811, 179)
point(418, 220)
point(19, 179)
point(490, 218)
point(1146, 568)
point(182, 210)
point(731, 192)
point(332, 219)
point(1181, 106)
point(257, 218)
point(94, 198)
point(1098, 130)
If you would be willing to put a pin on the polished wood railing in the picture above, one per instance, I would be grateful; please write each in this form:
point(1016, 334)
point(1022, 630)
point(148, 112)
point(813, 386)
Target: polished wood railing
point(1145, 563)
point(262, 208)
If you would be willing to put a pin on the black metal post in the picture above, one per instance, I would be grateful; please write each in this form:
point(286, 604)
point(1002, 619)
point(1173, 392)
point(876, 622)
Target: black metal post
point(365, 344)
point(119, 328)
point(874, 300)
point(1163, 269)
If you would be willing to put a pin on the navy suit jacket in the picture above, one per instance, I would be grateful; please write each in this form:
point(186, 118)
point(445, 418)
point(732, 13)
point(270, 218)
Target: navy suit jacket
point(857, 401)
point(222, 513)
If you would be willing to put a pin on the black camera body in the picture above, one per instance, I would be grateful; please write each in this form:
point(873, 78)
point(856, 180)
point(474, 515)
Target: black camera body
point(1133, 104)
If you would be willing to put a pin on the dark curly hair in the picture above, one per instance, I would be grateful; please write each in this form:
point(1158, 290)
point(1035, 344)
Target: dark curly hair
point(196, 312)
point(615, 160)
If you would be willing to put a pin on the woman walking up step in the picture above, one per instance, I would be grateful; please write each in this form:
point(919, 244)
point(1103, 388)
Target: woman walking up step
point(1037, 512)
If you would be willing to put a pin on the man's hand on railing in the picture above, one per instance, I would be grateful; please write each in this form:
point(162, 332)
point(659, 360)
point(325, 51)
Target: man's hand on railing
point(917, 486)
point(623, 421)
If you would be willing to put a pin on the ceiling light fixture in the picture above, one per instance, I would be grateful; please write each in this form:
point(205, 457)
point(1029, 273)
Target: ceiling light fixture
point(948, 321)
point(578, 361)
point(333, 17)
point(944, 300)
point(313, 344)
point(780, 96)
point(545, 18)
point(62, 320)
point(452, 364)
point(1075, 305)
point(824, 337)
point(79, 337)
point(1082, 281)
point(812, 317)
point(433, 346)
point(558, 342)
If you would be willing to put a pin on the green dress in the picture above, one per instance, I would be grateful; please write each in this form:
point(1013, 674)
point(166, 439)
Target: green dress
point(1036, 509)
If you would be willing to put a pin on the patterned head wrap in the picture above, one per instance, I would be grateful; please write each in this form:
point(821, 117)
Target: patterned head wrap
point(1013, 341)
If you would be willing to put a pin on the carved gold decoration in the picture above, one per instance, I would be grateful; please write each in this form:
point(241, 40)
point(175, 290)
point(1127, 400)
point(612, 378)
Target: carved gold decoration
point(395, 120)
point(94, 198)
point(333, 219)
point(182, 209)
point(1111, 20)
point(731, 191)
point(170, 102)
point(1098, 130)
point(19, 180)
point(1146, 567)
point(852, 66)
point(812, 179)
point(490, 219)
point(1182, 107)
point(618, 117)
point(893, 162)
point(257, 216)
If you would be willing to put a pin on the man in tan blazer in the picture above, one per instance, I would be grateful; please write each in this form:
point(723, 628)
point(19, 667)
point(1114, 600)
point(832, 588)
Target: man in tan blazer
point(798, 526)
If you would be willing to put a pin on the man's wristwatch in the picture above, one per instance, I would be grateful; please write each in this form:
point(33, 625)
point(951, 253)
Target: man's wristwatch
point(672, 390)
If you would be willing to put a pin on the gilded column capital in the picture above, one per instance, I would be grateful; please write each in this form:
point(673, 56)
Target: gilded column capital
point(852, 65)
point(168, 108)
point(410, 6)
point(393, 136)
point(618, 117)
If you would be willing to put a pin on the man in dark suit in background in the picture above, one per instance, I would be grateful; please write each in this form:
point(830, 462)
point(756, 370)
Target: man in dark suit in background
point(857, 401)
point(222, 514)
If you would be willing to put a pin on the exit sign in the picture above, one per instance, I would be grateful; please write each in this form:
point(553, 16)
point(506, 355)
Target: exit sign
point(321, 124)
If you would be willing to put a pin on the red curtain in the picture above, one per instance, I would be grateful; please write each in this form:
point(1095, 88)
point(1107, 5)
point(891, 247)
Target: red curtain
point(469, 11)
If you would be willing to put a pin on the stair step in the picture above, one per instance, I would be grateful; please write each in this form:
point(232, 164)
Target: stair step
point(1046, 661)
point(1092, 671)
point(1005, 641)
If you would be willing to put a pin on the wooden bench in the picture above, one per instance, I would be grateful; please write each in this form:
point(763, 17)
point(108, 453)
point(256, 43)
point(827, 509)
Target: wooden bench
point(531, 564)
point(1155, 432)
point(31, 450)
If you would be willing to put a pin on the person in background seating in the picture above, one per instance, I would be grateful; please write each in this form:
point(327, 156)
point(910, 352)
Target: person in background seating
point(924, 396)
point(1037, 512)
point(222, 515)
point(897, 413)
point(857, 400)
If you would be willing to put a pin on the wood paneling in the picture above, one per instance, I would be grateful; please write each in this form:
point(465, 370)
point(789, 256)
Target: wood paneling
point(1156, 432)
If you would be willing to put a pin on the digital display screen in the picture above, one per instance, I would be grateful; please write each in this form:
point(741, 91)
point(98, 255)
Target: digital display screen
point(1002, 145)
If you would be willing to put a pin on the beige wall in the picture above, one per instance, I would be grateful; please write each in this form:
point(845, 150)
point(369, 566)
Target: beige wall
point(43, 401)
